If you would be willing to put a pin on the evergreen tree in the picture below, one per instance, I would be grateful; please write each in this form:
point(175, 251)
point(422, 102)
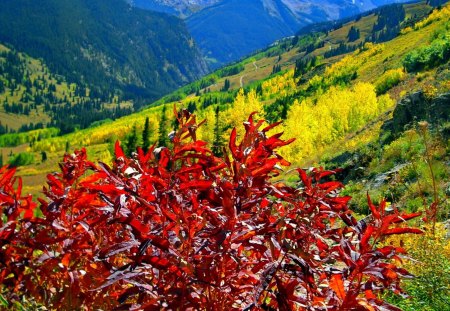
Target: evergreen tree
point(191, 107)
point(276, 69)
point(67, 147)
point(162, 137)
point(353, 34)
point(132, 141)
point(43, 156)
point(226, 85)
point(146, 135)
point(217, 143)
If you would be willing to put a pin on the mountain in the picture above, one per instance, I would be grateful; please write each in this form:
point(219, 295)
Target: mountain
point(231, 29)
point(176, 7)
point(104, 45)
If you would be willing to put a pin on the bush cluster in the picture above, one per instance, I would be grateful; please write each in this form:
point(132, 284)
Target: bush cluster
point(180, 229)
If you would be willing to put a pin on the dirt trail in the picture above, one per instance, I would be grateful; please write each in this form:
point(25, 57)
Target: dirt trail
point(241, 80)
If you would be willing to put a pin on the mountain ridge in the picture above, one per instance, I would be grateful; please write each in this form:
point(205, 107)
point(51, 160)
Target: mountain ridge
point(103, 43)
point(219, 29)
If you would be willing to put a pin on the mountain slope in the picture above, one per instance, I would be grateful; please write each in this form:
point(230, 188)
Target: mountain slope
point(33, 97)
point(104, 44)
point(231, 29)
point(175, 7)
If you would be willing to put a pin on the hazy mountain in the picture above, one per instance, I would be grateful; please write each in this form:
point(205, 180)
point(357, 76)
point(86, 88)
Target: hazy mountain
point(177, 7)
point(231, 29)
point(104, 44)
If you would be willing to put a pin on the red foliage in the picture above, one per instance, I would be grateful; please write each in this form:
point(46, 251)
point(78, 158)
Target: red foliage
point(182, 229)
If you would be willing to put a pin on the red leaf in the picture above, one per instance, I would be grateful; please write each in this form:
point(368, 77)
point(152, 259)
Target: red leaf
point(376, 214)
point(197, 184)
point(232, 143)
point(118, 150)
point(337, 285)
point(402, 231)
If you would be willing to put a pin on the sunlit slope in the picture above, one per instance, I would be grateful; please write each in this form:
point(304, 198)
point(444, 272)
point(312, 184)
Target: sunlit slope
point(338, 103)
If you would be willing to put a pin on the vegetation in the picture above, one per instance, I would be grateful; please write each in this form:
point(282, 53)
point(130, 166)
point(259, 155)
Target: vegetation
point(45, 99)
point(21, 159)
point(342, 111)
point(438, 52)
point(112, 50)
point(127, 235)
point(388, 80)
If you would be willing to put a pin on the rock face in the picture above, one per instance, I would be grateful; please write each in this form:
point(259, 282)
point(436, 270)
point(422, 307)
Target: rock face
point(416, 107)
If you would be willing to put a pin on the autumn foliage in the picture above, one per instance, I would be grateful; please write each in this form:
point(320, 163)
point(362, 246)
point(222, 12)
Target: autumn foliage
point(181, 229)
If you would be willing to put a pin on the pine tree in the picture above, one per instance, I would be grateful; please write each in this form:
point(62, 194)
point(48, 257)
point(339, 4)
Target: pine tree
point(353, 34)
point(226, 85)
point(44, 156)
point(162, 137)
point(217, 143)
point(132, 141)
point(67, 147)
point(146, 135)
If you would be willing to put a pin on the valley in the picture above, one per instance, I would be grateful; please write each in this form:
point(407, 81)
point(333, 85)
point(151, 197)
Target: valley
point(369, 94)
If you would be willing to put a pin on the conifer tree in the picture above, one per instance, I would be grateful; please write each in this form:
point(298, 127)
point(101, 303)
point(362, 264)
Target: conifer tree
point(146, 135)
point(67, 147)
point(162, 136)
point(226, 85)
point(132, 141)
point(217, 143)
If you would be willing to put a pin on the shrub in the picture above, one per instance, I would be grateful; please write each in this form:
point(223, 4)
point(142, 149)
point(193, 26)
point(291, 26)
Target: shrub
point(438, 52)
point(183, 229)
point(21, 159)
point(388, 80)
point(430, 265)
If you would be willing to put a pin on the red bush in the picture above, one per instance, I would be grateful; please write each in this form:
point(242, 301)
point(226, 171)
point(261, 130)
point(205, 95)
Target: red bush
point(182, 229)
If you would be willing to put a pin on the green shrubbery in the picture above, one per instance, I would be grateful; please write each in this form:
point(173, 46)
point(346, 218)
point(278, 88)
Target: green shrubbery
point(21, 159)
point(16, 139)
point(438, 52)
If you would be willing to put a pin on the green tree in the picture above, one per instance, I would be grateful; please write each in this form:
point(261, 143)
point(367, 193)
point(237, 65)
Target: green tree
point(353, 34)
point(67, 147)
point(162, 137)
point(226, 85)
point(43, 156)
point(132, 141)
point(146, 135)
point(218, 142)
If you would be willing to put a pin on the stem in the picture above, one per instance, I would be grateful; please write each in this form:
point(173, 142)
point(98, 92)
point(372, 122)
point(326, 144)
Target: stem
point(434, 206)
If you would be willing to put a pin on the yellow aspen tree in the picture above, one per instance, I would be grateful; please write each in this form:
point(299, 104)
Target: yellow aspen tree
point(242, 107)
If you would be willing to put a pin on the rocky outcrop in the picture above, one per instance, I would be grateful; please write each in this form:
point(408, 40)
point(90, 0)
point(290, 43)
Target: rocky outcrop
point(416, 107)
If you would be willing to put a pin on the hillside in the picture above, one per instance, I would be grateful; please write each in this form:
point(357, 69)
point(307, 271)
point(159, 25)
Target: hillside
point(231, 29)
point(369, 95)
point(33, 97)
point(106, 46)
point(367, 70)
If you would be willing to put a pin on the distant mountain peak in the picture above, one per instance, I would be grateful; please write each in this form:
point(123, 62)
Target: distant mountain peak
point(182, 8)
point(229, 29)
